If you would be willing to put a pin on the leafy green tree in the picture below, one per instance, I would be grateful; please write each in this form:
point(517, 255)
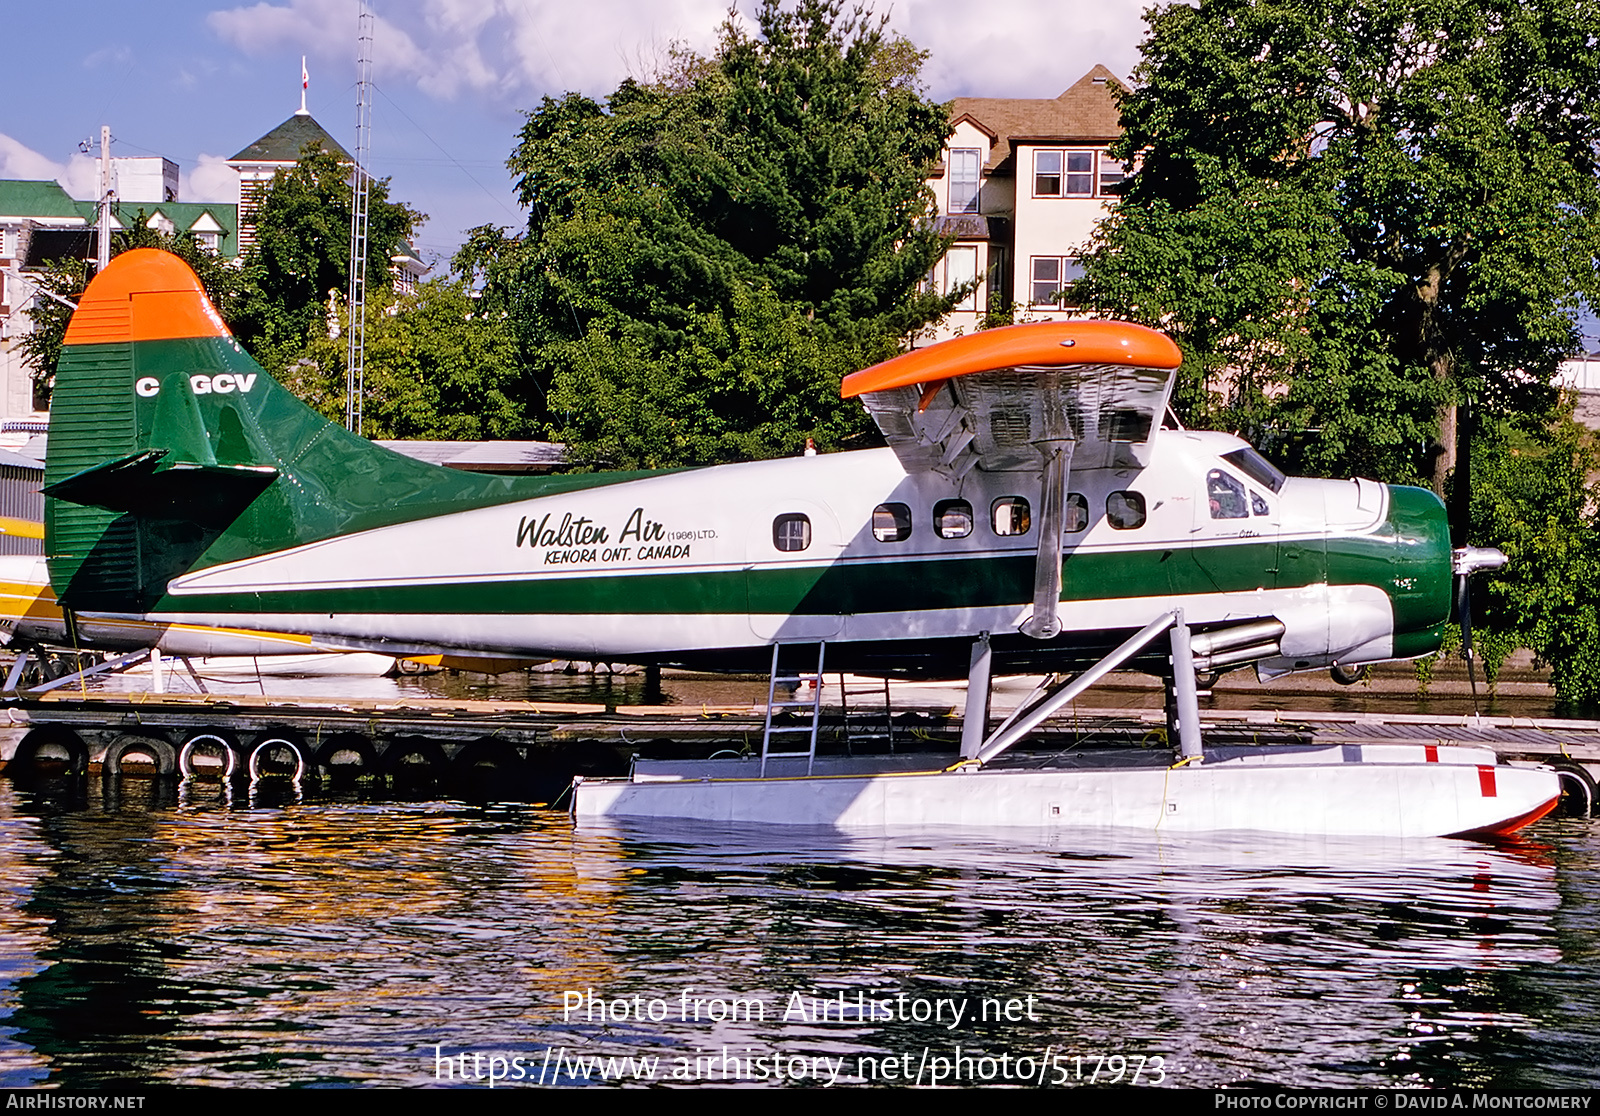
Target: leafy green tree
point(1368, 225)
point(1532, 497)
point(437, 366)
point(302, 251)
point(707, 254)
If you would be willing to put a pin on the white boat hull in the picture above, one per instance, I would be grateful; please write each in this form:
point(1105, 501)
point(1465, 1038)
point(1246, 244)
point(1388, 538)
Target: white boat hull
point(1351, 790)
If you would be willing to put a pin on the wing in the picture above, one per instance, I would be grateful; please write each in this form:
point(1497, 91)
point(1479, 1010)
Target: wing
point(1031, 398)
point(1000, 399)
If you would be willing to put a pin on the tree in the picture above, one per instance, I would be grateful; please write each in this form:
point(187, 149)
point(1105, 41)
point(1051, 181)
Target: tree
point(1532, 498)
point(1370, 224)
point(437, 366)
point(67, 279)
point(707, 254)
point(302, 251)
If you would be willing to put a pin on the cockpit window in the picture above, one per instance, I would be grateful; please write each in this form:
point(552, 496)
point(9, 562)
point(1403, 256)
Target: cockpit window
point(1256, 467)
point(1225, 496)
point(1258, 506)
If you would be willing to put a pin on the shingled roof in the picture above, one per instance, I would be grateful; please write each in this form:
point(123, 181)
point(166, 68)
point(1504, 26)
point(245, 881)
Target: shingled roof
point(1084, 113)
point(285, 142)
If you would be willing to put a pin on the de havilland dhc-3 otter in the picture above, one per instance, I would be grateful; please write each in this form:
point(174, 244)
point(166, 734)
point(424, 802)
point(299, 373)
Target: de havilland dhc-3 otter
point(1031, 511)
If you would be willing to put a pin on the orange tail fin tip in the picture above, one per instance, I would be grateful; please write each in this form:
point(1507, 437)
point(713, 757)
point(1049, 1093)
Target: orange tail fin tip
point(144, 295)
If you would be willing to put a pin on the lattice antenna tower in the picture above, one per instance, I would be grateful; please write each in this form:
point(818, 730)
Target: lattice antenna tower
point(356, 369)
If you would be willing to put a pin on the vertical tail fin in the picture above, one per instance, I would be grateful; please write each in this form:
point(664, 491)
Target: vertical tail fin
point(171, 450)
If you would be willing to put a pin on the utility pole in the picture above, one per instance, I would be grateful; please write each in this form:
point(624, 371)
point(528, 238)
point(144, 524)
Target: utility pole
point(356, 370)
point(105, 200)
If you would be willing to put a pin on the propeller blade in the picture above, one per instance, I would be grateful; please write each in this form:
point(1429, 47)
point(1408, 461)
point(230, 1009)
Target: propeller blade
point(1466, 561)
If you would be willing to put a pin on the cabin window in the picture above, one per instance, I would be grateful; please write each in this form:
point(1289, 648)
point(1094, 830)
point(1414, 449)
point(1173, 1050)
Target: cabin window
point(1074, 513)
point(1010, 516)
point(1225, 496)
point(891, 523)
point(952, 519)
point(1125, 510)
point(791, 532)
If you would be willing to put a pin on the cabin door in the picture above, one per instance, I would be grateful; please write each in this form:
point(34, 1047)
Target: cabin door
point(792, 572)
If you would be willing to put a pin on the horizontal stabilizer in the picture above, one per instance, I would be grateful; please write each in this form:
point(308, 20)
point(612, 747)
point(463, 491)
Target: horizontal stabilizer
point(143, 485)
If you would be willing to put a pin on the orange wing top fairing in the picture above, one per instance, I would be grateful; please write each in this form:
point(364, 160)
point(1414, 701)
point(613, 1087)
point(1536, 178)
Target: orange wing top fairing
point(1037, 344)
point(144, 295)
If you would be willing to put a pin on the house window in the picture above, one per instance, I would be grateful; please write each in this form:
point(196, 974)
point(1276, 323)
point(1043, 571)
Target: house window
point(1111, 174)
point(1009, 515)
point(1053, 275)
point(1080, 174)
point(1047, 174)
point(791, 532)
point(964, 162)
point(210, 241)
point(891, 523)
point(961, 270)
point(952, 519)
point(1063, 174)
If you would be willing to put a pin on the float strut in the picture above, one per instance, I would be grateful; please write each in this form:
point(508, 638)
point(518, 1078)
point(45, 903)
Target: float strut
point(975, 721)
point(1183, 691)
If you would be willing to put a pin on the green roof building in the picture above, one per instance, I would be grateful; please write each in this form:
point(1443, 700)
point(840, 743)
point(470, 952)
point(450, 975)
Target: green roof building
point(278, 150)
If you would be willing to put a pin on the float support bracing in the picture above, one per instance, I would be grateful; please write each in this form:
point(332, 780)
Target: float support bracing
point(1183, 690)
point(975, 721)
point(1043, 702)
point(99, 668)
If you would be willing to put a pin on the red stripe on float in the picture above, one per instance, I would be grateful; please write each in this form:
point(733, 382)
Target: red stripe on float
point(1430, 752)
point(1486, 781)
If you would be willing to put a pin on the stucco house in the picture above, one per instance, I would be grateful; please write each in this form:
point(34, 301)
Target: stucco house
point(1023, 184)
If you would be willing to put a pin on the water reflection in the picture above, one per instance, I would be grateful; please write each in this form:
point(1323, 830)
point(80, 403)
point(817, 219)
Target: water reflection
point(341, 940)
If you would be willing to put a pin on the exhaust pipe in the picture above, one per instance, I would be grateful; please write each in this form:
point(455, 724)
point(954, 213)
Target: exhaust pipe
point(1207, 644)
point(1236, 656)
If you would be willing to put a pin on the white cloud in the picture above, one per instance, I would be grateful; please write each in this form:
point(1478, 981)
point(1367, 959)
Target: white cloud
point(79, 175)
point(1019, 48)
point(20, 161)
point(107, 56)
point(213, 180)
point(511, 51)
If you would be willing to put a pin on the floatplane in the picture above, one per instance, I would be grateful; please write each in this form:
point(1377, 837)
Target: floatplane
point(1031, 512)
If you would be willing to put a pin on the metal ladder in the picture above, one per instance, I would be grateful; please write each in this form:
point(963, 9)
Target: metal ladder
point(866, 719)
point(809, 727)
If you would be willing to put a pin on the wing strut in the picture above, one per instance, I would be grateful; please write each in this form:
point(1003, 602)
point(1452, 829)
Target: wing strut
point(1045, 623)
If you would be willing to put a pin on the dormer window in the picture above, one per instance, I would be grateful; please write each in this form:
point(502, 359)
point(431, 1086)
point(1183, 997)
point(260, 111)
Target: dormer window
point(964, 179)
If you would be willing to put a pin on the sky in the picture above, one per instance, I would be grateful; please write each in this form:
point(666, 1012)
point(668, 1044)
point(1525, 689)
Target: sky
point(197, 81)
